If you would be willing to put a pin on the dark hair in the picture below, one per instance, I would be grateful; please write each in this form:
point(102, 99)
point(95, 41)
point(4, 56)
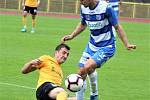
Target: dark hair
point(62, 46)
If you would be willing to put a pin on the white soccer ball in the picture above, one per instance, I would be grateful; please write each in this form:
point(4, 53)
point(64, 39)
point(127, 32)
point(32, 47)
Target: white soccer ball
point(74, 82)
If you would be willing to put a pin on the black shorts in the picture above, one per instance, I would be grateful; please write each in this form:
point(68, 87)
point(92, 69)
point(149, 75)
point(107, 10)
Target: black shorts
point(31, 10)
point(43, 90)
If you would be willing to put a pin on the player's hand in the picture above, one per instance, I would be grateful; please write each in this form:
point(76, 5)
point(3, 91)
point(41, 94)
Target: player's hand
point(66, 38)
point(130, 46)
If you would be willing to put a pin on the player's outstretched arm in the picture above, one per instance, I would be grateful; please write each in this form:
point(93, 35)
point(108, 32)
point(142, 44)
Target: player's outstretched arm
point(124, 38)
point(30, 66)
point(77, 31)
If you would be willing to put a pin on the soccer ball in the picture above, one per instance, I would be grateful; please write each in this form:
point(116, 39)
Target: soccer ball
point(74, 82)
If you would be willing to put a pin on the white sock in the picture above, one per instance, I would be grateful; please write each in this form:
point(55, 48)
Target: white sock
point(93, 83)
point(80, 94)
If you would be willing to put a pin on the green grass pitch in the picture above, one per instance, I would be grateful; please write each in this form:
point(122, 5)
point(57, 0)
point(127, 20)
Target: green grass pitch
point(125, 77)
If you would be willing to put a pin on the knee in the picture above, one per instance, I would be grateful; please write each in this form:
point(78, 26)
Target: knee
point(57, 91)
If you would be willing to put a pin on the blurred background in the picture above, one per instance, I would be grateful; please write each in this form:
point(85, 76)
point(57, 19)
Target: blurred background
point(129, 8)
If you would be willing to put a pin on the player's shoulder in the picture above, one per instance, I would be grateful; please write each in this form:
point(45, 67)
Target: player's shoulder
point(45, 57)
point(103, 5)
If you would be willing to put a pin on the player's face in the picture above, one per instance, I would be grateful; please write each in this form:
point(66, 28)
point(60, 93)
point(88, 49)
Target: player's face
point(62, 55)
point(85, 3)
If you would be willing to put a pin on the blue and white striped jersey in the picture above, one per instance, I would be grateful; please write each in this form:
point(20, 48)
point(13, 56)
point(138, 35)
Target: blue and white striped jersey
point(115, 5)
point(100, 21)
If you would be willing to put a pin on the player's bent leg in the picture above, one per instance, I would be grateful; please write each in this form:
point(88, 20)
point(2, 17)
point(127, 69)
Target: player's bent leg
point(93, 85)
point(100, 57)
point(80, 94)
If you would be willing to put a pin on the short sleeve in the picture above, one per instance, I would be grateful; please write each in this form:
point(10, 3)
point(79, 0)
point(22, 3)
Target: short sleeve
point(110, 13)
point(43, 59)
point(83, 22)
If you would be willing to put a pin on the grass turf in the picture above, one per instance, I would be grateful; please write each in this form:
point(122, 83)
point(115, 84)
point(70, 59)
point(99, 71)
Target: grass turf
point(124, 77)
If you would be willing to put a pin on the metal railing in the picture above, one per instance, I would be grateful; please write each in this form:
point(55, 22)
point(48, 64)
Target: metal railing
point(129, 9)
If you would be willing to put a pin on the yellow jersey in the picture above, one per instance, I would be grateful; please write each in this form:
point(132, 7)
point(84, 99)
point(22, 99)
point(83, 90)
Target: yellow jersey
point(49, 71)
point(31, 3)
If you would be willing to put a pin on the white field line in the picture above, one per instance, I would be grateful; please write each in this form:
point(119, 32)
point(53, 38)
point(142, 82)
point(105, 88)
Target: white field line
point(22, 86)
point(16, 85)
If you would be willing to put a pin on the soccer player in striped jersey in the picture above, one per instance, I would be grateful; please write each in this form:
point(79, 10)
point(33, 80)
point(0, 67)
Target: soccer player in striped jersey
point(29, 6)
point(50, 74)
point(115, 5)
point(100, 18)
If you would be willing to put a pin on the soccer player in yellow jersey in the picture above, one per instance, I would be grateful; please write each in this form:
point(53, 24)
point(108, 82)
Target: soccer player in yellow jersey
point(29, 6)
point(50, 74)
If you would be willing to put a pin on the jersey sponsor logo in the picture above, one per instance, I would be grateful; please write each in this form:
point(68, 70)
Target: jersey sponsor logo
point(97, 24)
